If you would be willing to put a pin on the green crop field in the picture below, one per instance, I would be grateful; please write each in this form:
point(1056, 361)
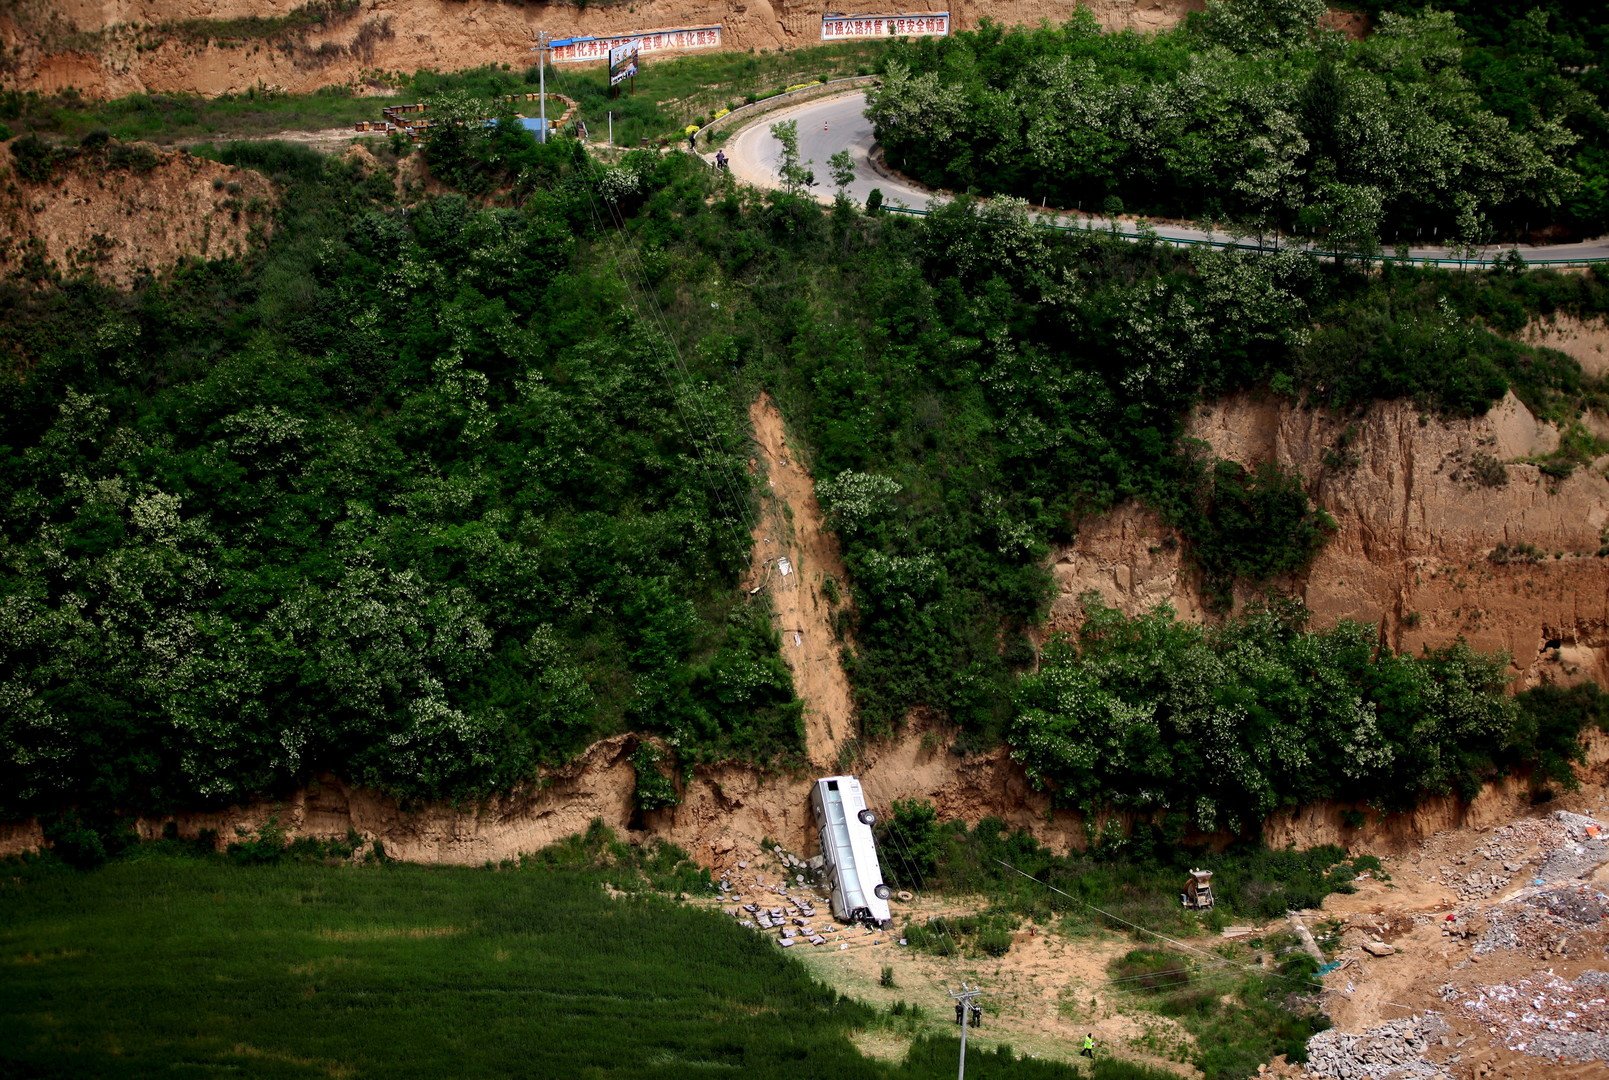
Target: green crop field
point(169, 963)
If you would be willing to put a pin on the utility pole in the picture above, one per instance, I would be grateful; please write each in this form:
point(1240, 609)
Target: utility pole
point(963, 999)
point(541, 50)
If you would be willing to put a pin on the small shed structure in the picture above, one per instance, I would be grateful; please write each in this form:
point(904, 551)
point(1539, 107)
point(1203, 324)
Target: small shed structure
point(1197, 893)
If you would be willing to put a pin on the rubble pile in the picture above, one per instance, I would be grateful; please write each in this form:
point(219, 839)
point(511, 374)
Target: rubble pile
point(1544, 1015)
point(1571, 847)
point(1491, 866)
point(1579, 905)
point(1543, 924)
point(1577, 827)
point(1393, 1051)
point(1580, 846)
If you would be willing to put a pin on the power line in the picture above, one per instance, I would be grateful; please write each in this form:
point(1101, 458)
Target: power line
point(964, 1008)
point(1308, 984)
point(967, 1012)
point(893, 836)
point(1175, 942)
point(701, 426)
point(710, 428)
point(700, 430)
point(725, 494)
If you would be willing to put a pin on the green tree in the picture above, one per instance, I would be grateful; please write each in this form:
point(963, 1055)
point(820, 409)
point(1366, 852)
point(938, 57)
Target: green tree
point(842, 167)
point(796, 178)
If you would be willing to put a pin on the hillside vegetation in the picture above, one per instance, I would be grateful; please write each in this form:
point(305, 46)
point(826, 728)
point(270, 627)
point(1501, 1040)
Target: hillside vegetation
point(1252, 115)
point(1221, 727)
point(432, 495)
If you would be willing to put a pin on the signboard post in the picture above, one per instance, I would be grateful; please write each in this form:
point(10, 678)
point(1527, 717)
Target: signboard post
point(623, 62)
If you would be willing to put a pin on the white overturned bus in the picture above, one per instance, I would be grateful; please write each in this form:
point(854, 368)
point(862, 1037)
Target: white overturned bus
point(849, 853)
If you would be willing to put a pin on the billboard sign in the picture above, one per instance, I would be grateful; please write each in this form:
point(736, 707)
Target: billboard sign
point(578, 49)
point(835, 27)
point(623, 62)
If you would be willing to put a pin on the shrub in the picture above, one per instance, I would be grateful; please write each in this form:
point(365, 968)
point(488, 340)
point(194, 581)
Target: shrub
point(1099, 715)
point(85, 841)
point(267, 846)
point(655, 790)
point(34, 158)
point(1552, 719)
point(1505, 553)
point(1488, 471)
point(909, 840)
point(135, 157)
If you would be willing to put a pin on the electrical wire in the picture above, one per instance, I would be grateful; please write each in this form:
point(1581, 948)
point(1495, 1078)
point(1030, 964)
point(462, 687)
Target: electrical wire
point(723, 488)
point(699, 429)
point(710, 428)
point(1308, 984)
point(1175, 942)
point(921, 889)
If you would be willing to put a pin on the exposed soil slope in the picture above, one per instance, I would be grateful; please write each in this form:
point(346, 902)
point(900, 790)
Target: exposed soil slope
point(794, 556)
point(1431, 546)
point(1586, 342)
point(120, 221)
point(112, 47)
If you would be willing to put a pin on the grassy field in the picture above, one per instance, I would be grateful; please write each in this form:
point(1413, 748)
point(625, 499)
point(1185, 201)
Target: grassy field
point(166, 962)
point(669, 93)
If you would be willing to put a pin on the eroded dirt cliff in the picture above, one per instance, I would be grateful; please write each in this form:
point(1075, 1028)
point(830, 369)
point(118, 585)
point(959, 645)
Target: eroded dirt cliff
point(107, 48)
point(1444, 530)
point(119, 220)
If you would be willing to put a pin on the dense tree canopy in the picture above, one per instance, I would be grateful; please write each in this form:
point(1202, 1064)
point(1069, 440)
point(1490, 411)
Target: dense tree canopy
point(1252, 114)
point(1227, 725)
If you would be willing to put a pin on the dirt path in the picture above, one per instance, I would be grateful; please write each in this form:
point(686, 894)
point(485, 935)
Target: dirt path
point(794, 555)
point(318, 138)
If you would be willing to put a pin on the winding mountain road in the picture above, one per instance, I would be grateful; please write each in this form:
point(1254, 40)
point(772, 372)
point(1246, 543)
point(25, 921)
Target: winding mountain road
point(830, 124)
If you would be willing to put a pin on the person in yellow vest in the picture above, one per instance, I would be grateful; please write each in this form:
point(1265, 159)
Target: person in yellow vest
point(1089, 1047)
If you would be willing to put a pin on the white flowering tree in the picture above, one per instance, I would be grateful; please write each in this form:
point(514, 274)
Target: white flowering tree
point(1254, 25)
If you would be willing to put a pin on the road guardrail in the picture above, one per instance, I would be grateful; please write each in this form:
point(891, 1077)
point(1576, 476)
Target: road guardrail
point(1240, 245)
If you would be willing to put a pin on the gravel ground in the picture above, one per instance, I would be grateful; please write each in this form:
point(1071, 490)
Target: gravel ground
point(1545, 1016)
point(1388, 1052)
